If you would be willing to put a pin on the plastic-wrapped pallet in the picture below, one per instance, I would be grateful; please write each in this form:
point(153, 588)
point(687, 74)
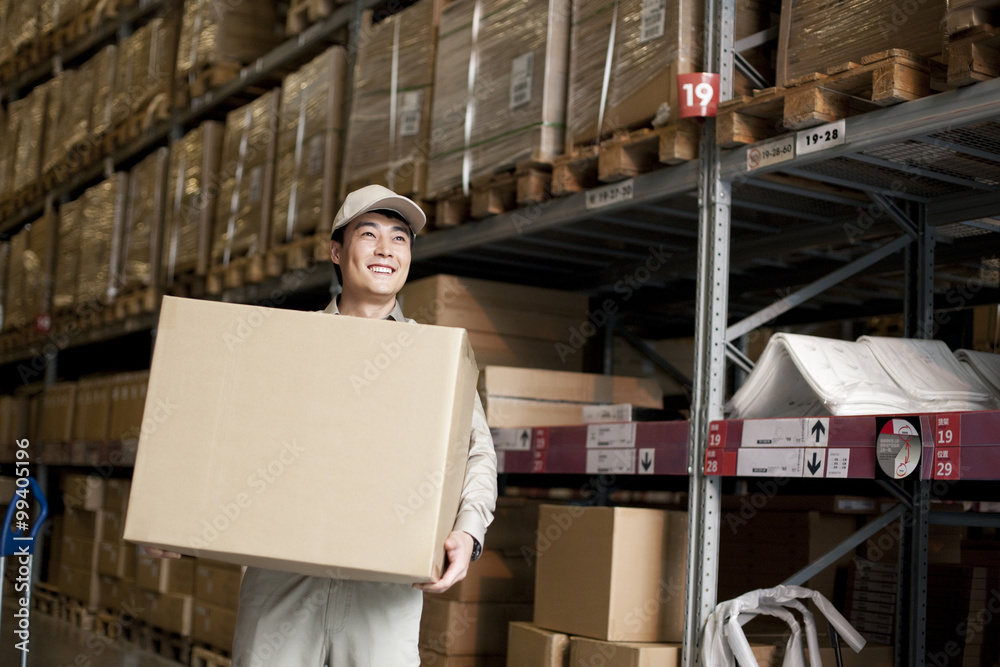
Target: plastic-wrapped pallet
point(391, 102)
point(246, 180)
point(191, 191)
point(103, 211)
point(817, 34)
point(648, 42)
point(307, 172)
point(74, 130)
point(14, 297)
point(22, 25)
point(9, 124)
point(142, 234)
point(499, 88)
point(146, 68)
point(67, 269)
point(29, 274)
point(52, 150)
point(222, 32)
point(4, 281)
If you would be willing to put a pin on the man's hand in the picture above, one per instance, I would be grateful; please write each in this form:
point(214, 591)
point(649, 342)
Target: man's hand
point(458, 549)
point(158, 553)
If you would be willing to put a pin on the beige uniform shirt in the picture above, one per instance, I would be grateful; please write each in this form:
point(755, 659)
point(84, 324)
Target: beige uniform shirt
point(479, 491)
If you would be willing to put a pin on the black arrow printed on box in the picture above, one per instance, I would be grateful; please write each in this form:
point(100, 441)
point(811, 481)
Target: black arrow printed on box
point(818, 430)
point(815, 464)
point(646, 461)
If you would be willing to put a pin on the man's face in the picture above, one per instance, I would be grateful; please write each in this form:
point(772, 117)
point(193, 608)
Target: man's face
point(374, 258)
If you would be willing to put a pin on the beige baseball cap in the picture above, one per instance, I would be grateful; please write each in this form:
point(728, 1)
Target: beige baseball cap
point(375, 197)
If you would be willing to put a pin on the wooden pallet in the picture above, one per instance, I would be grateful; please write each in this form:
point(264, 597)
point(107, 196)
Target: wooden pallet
point(492, 194)
point(194, 84)
point(46, 599)
point(78, 615)
point(973, 55)
point(203, 657)
point(169, 645)
point(239, 272)
point(297, 255)
point(304, 13)
point(879, 80)
point(136, 301)
point(106, 623)
point(187, 284)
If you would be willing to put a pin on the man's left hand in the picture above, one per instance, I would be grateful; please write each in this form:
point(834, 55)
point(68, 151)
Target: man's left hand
point(458, 549)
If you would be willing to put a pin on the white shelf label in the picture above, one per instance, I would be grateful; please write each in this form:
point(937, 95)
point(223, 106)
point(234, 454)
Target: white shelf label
point(838, 462)
point(807, 432)
point(522, 71)
point(611, 462)
point(410, 104)
point(511, 439)
point(646, 465)
point(654, 17)
point(815, 463)
point(772, 152)
point(769, 462)
point(610, 436)
point(613, 193)
point(818, 138)
point(621, 412)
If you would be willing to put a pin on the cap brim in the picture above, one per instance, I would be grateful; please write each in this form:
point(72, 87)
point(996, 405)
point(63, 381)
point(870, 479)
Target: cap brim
point(412, 213)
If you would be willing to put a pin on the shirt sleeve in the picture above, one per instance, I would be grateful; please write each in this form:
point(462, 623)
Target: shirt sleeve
point(479, 491)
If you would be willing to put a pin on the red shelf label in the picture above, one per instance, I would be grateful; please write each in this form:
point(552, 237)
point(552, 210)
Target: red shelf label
point(717, 434)
point(948, 431)
point(719, 462)
point(947, 463)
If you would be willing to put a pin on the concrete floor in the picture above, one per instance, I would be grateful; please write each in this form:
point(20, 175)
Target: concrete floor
point(56, 643)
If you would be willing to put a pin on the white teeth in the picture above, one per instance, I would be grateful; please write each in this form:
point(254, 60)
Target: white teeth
point(381, 269)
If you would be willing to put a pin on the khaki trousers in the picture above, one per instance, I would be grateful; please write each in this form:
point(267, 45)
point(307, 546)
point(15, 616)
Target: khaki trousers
point(291, 620)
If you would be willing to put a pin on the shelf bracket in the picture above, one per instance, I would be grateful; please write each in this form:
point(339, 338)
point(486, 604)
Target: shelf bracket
point(655, 357)
point(900, 218)
point(782, 306)
point(735, 355)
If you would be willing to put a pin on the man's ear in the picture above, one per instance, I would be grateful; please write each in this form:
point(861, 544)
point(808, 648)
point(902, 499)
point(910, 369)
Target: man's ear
point(335, 252)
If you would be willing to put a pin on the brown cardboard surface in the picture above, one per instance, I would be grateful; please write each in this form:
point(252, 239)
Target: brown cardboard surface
point(583, 651)
point(119, 596)
point(432, 659)
point(167, 611)
point(510, 382)
point(261, 425)
point(467, 628)
point(515, 522)
point(495, 578)
point(165, 575)
point(128, 398)
point(116, 559)
point(13, 418)
point(531, 646)
point(520, 412)
point(83, 524)
point(112, 524)
point(611, 573)
point(116, 495)
point(57, 412)
point(213, 625)
point(77, 553)
point(92, 411)
point(217, 583)
point(83, 491)
point(80, 585)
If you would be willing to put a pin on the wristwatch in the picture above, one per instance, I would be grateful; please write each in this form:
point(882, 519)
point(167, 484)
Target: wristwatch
point(477, 550)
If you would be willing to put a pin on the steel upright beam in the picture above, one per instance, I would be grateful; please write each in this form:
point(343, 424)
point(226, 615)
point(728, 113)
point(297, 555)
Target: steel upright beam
point(714, 203)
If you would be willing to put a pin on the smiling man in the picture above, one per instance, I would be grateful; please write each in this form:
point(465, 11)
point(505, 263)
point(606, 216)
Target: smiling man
point(287, 620)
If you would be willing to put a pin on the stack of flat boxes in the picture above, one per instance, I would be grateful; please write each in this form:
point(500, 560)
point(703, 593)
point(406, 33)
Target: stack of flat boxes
point(82, 525)
point(216, 597)
point(56, 419)
point(116, 558)
point(467, 625)
point(871, 599)
point(609, 586)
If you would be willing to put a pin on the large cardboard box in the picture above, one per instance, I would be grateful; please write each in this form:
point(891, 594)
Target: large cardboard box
point(496, 577)
point(13, 418)
point(611, 573)
point(532, 383)
point(168, 611)
point(583, 651)
point(214, 625)
point(165, 575)
point(217, 583)
point(83, 524)
point(468, 628)
point(80, 585)
point(278, 425)
point(57, 412)
point(432, 659)
point(84, 492)
point(116, 495)
point(112, 524)
point(128, 399)
point(119, 596)
point(92, 411)
point(116, 559)
point(531, 646)
point(77, 553)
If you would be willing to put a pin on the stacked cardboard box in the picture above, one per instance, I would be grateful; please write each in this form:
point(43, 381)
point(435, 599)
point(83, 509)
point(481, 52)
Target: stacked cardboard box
point(191, 191)
point(246, 180)
point(391, 104)
point(116, 558)
point(816, 35)
point(82, 528)
point(29, 277)
point(92, 412)
point(871, 599)
point(102, 215)
point(499, 88)
point(165, 592)
point(508, 325)
point(58, 403)
point(67, 268)
point(467, 625)
point(216, 598)
point(51, 148)
point(141, 241)
point(128, 400)
point(624, 62)
point(531, 646)
point(105, 65)
point(145, 73)
point(518, 397)
point(7, 150)
point(307, 171)
point(227, 34)
point(30, 119)
point(13, 421)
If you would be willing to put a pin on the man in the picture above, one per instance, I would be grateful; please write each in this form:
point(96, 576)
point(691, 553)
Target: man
point(288, 620)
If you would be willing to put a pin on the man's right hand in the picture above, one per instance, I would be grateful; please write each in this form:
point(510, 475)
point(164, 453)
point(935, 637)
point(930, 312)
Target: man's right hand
point(158, 553)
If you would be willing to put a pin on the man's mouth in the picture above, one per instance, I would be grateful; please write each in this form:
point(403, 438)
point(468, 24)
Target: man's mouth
point(382, 270)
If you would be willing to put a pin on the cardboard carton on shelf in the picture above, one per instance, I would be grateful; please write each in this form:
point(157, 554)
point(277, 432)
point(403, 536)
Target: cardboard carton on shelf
point(213, 625)
point(56, 419)
point(93, 410)
point(496, 577)
point(217, 583)
point(468, 628)
point(611, 573)
point(531, 646)
point(248, 404)
point(584, 651)
point(165, 575)
point(167, 611)
point(80, 585)
point(116, 559)
point(83, 491)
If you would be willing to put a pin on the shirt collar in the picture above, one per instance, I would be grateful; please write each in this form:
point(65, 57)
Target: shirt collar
point(396, 314)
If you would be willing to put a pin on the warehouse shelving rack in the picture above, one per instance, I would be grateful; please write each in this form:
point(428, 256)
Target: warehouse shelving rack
point(918, 180)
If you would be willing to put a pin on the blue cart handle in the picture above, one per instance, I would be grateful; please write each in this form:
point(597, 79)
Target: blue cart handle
point(15, 540)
